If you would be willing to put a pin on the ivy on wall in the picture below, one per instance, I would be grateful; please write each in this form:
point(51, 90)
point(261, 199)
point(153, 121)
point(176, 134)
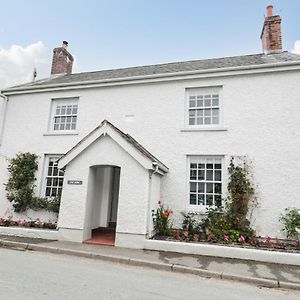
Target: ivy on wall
point(21, 184)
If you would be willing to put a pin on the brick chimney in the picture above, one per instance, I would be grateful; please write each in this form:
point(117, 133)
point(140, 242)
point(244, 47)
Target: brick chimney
point(62, 62)
point(271, 33)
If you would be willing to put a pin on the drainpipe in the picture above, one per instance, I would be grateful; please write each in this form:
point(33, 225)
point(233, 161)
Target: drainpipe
point(149, 212)
point(3, 116)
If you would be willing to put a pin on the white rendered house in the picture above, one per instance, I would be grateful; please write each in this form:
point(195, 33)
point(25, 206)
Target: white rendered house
point(126, 138)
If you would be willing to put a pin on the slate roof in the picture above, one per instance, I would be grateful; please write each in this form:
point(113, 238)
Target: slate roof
point(164, 69)
point(127, 137)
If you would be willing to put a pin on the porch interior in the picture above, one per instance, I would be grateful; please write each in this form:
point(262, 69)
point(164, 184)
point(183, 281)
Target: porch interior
point(104, 205)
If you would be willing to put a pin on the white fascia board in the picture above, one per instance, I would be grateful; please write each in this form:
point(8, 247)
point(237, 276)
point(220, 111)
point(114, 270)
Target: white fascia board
point(105, 129)
point(218, 72)
point(88, 140)
point(130, 149)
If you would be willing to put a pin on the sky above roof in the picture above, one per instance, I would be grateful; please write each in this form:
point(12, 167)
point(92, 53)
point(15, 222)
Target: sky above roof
point(121, 33)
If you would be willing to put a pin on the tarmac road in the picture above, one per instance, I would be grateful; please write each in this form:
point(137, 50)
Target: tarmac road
point(34, 275)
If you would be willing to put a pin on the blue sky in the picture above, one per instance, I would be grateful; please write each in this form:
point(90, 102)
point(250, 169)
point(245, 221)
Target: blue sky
point(118, 33)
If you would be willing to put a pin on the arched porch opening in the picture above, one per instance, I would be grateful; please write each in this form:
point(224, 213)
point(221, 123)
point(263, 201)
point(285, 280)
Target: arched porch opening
point(102, 204)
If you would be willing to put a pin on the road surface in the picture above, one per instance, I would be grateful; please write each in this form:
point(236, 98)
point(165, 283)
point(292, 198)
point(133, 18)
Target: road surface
point(33, 275)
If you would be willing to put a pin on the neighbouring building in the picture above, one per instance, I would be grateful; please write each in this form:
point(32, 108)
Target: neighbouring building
point(114, 142)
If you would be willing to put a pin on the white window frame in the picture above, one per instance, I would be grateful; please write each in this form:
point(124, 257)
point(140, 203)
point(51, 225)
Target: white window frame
point(202, 91)
point(198, 159)
point(45, 173)
point(62, 102)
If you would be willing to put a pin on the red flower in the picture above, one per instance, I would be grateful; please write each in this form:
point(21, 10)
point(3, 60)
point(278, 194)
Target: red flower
point(166, 214)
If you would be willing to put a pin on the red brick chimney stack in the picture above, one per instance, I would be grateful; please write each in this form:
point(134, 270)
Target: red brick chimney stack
point(62, 62)
point(271, 33)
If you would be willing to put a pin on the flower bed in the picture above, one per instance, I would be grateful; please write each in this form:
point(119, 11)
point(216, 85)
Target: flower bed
point(27, 224)
point(262, 243)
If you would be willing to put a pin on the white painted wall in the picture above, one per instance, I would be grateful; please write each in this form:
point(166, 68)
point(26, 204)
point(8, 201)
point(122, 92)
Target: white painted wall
point(260, 113)
point(133, 196)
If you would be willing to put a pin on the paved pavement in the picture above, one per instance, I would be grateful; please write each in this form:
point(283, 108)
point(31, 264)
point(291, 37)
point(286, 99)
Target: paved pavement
point(36, 275)
point(262, 274)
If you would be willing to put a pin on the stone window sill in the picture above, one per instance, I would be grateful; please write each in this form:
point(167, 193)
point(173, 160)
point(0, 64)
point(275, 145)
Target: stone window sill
point(60, 133)
point(204, 129)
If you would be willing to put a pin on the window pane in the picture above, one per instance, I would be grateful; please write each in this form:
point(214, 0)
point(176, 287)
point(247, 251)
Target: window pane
point(69, 109)
point(215, 112)
point(75, 107)
point(192, 112)
point(192, 121)
point(218, 200)
point(207, 102)
point(193, 174)
point(201, 199)
point(201, 174)
point(201, 166)
point(218, 166)
point(50, 171)
point(193, 199)
point(200, 121)
point(200, 112)
point(199, 102)
point(200, 187)
point(48, 190)
point(193, 166)
point(209, 175)
point(207, 112)
point(207, 120)
point(218, 188)
point(193, 187)
point(215, 120)
point(217, 175)
point(209, 200)
point(192, 102)
point(209, 188)
point(209, 166)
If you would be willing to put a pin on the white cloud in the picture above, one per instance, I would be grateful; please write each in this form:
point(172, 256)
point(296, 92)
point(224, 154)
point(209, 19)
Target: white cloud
point(296, 48)
point(17, 64)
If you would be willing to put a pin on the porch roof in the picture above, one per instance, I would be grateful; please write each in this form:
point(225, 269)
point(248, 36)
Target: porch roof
point(126, 141)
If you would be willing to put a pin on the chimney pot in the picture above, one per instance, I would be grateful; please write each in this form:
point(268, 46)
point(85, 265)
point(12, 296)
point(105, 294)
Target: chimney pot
point(269, 10)
point(65, 45)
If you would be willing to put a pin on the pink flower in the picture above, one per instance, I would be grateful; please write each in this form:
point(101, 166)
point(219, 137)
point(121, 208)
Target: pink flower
point(171, 212)
point(226, 238)
point(241, 239)
point(268, 239)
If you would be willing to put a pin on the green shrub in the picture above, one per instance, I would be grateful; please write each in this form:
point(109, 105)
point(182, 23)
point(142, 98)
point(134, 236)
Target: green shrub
point(230, 223)
point(291, 222)
point(21, 184)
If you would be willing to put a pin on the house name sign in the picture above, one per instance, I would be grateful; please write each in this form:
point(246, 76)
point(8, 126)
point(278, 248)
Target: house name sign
point(75, 182)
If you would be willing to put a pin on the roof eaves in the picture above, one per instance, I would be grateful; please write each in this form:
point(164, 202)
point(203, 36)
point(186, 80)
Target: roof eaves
point(157, 76)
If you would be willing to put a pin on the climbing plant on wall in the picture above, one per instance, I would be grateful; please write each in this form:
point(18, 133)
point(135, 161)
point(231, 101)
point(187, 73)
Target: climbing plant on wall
point(21, 184)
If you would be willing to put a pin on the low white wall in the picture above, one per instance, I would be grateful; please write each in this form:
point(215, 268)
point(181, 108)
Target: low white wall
point(48, 234)
point(129, 240)
point(224, 251)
